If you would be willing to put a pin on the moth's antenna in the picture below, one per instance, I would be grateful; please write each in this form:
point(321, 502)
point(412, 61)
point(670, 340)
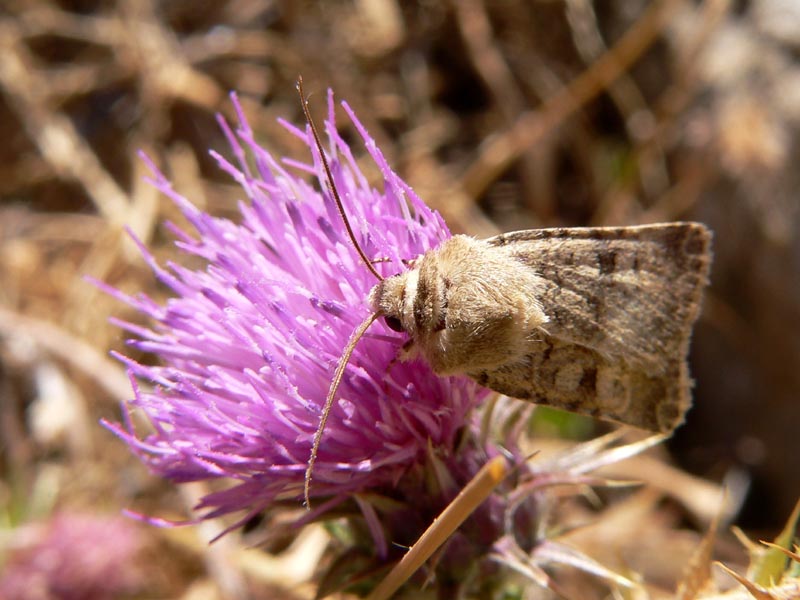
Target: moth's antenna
point(331, 184)
point(337, 379)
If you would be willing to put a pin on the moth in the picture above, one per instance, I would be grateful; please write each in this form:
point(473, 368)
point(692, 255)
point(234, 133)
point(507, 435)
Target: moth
point(592, 320)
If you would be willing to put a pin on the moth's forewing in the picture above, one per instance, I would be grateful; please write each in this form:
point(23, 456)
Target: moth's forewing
point(581, 380)
point(630, 292)
point(621, 303)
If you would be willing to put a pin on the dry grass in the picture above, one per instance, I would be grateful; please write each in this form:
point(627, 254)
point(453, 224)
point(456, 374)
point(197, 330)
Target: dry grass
point(503, 115)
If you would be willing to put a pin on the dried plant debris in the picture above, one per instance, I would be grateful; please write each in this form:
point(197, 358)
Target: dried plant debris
point(500, 116)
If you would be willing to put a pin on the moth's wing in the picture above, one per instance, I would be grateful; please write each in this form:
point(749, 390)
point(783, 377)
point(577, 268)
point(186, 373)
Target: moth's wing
point(621, 303)
point(579, 379)
point(630, 292)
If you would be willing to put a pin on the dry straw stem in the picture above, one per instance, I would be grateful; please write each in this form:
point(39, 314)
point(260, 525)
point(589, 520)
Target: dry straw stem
point(56, 137)
point(685, 192)
point(500, 152)
point(69, 348)
point(486, 56)
point(473, 494)
point(143, 48)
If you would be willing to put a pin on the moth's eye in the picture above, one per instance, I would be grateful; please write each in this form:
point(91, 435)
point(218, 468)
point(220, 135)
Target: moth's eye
point(394, 323)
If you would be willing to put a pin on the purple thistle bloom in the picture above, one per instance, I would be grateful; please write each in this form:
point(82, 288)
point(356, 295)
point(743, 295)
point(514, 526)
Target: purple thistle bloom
point(74, 556)
point(249, 343)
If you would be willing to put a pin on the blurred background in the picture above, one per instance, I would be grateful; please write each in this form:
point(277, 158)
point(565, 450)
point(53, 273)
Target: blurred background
point(502, 114)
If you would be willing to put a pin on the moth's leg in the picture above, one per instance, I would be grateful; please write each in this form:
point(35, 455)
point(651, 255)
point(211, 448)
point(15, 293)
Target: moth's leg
point(407, 352)
point(407, 262)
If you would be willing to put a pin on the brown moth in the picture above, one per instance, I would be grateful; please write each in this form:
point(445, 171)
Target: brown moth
point(592, 320)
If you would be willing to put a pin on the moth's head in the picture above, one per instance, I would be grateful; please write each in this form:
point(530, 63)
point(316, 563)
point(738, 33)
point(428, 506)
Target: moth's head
point(388, 299)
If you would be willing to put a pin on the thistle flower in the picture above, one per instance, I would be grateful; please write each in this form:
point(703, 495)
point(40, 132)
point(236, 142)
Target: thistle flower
point(73, 556)
point(249, 344)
